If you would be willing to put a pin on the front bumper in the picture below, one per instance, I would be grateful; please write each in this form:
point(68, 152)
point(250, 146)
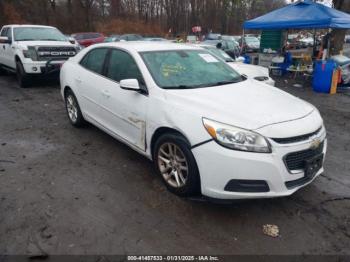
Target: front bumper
point(43, 67)
point(218, 166)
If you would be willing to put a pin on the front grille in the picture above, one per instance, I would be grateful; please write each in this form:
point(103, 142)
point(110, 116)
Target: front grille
point(296, 139)
point(46, 53)
point(296, 160)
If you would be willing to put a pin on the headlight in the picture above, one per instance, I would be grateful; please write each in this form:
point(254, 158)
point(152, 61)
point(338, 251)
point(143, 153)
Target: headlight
point(31, 53)
point(236, 138)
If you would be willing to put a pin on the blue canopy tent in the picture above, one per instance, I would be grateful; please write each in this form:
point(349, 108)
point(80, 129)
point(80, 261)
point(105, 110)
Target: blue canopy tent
point(305, 15)
point(301, 15)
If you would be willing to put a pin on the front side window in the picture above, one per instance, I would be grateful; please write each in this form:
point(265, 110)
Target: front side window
point(9, 33)
point(38, 34)
point(122, 66)
point(94, 60)
point(185, 69)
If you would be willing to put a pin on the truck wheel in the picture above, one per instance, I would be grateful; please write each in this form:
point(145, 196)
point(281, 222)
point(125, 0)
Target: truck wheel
point(22, 77)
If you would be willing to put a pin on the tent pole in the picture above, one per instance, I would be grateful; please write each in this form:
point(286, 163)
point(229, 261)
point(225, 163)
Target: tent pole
point(314, 48)
point(243, 33)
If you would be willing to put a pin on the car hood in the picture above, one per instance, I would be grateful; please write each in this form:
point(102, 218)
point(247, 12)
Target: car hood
point(247, 104)
point(249, 70)
point(44, 43)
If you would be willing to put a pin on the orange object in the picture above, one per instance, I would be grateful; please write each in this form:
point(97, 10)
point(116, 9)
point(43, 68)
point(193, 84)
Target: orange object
point(335, 80)
point(339, 76)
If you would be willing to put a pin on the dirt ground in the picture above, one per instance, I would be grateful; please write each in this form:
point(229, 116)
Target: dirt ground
point(79, 191)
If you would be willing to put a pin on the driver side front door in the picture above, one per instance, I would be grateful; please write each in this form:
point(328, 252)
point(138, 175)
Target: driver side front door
point(123, 111)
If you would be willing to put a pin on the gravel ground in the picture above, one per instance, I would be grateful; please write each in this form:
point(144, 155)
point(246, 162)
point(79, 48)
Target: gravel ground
point(79, 191)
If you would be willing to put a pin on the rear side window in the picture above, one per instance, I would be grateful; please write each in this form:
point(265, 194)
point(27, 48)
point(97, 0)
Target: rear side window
point(122, 66)
point(94, 60)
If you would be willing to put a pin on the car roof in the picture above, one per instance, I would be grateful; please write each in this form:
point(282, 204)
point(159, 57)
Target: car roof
point(146, 46)
point(16, 25)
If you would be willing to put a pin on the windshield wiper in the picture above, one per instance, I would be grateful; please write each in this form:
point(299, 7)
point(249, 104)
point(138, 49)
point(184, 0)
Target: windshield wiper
point(221, 83)
point(179, 87)
point(25, 40)
point(50, 40)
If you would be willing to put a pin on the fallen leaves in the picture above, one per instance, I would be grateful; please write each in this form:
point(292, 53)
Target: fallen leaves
point(271, 230)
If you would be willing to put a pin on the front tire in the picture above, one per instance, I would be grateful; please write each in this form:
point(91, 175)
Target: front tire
point(73, 110)
point(176, 165)
point(22, 77)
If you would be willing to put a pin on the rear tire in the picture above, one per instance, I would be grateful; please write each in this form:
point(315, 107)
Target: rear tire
point(176, 165)
point(22, 77)
point(73, 110)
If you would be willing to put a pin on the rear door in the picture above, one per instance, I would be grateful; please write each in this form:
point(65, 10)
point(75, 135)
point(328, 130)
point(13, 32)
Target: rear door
point(88, 82)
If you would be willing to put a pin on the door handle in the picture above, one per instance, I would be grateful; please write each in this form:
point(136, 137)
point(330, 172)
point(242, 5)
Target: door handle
point(106, 94)
point(4, 47)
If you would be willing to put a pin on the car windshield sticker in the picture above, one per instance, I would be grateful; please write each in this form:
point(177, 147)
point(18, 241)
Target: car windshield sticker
point(168, 70)
point(208, 58)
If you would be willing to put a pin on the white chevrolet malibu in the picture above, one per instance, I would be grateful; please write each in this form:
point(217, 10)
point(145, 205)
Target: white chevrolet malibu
point(208, 129)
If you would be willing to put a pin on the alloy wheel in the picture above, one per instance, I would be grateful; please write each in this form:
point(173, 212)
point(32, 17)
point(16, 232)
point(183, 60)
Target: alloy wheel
point(72, 108)
point(173, 165)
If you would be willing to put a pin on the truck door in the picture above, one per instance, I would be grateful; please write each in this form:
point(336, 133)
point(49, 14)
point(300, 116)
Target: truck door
point(3, 46)
point(10, 50)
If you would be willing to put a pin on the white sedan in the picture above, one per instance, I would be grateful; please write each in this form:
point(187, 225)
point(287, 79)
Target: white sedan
point(207, 129)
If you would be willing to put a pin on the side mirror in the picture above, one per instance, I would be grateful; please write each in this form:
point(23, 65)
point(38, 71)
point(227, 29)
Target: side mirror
point(5, 40)
point(71, 40)
point(130, 84)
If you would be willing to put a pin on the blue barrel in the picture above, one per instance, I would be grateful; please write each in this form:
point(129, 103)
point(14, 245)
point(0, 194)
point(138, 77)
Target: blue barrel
point(247, 59)
point(323, 74)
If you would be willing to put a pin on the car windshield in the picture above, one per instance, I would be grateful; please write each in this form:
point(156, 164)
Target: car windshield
point(186, 69)
point(38, 34)
point(219, 53)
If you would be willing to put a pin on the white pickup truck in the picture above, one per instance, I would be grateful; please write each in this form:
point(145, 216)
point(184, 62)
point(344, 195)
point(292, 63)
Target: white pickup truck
point(29, 50)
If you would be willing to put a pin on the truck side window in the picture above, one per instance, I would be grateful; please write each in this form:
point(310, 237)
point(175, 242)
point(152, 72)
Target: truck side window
point(9, 33)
